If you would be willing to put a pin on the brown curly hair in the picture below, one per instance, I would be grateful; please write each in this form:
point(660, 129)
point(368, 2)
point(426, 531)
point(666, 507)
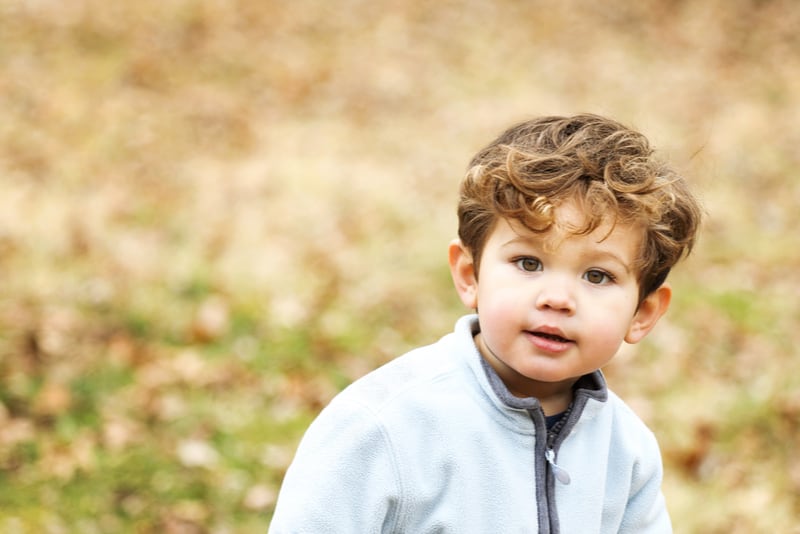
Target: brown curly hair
point(608, 168)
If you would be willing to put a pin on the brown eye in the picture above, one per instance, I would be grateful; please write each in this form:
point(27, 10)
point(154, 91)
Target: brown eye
point(596, 277)
point(529, 264)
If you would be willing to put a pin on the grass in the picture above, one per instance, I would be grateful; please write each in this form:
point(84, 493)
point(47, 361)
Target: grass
point(213, 216)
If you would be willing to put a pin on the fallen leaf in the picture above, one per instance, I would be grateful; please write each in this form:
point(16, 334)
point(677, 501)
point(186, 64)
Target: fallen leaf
point(212, 320)
point(197, 453)
point(260, 497)
point(53, 400)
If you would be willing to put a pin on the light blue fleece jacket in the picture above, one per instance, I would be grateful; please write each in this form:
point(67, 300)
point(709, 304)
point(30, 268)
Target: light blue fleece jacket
point(434, 442)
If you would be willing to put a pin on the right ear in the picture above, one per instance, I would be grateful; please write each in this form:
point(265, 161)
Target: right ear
point(462, 268)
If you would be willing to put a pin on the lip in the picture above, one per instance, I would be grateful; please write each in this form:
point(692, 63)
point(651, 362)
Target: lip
point(549, 339)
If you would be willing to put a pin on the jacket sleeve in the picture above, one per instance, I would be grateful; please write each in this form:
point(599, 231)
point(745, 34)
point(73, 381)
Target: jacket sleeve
point(646, 511)
point(343, 478)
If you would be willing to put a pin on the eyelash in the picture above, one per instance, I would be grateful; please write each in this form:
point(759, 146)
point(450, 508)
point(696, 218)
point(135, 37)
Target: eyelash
point(607, 277)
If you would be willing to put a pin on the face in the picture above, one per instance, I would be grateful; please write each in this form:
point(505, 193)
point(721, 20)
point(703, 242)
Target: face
point(555, 306)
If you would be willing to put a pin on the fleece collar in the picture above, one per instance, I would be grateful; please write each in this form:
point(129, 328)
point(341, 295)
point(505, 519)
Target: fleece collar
point(590, 386)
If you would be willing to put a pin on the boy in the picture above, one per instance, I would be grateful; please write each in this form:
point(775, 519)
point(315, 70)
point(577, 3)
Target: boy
point(567, 230)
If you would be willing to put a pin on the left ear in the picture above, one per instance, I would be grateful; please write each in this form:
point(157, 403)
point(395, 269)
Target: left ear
point(650, 311)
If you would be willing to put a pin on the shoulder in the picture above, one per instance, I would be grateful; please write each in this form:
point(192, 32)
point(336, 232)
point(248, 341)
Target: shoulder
point(371, 424)
point(625, 416)
point(628, 434)
point(631, 437)
point(421, 372)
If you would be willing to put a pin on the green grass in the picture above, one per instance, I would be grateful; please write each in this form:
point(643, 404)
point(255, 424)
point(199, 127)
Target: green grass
point(214, 216)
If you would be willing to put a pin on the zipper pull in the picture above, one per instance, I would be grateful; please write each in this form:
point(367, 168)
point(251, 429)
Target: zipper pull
point(560, 473)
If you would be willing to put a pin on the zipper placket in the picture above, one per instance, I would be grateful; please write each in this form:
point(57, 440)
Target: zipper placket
point(546, 454)
point(559, 472)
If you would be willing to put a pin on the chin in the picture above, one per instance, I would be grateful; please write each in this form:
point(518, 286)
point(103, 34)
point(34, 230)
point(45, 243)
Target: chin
point(549, 378)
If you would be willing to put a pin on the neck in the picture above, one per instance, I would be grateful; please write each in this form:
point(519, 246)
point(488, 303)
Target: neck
point(554, 397)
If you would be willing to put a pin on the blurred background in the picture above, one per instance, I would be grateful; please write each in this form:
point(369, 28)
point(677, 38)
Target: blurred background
point(216, 214)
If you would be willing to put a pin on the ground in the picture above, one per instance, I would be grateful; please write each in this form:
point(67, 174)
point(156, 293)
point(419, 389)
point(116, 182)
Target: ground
point(214, 215)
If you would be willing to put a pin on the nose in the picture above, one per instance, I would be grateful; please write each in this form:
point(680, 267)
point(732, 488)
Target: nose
point(556, 295)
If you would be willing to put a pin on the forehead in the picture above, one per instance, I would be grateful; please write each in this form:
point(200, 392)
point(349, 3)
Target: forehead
point(568, 229)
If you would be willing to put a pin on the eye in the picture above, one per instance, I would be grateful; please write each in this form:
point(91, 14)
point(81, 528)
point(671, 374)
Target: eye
point(595, 276)
point(528, 264)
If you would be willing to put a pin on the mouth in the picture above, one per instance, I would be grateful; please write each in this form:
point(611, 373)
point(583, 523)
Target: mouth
point(551, 337)
point(550, 341)
point(551, 334)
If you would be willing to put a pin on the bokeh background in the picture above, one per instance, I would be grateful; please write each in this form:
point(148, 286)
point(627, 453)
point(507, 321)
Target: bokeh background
point(216, 214)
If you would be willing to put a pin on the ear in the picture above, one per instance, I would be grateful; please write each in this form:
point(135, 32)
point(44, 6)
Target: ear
point(650, 311)
point(462, 268)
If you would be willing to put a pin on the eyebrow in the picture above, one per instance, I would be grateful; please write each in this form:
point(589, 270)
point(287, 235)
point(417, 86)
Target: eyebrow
point(603, 254)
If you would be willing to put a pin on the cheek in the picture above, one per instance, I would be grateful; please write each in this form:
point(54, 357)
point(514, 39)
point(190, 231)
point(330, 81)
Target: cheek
point(498, 298)
point(497, 313)
point(610, 328)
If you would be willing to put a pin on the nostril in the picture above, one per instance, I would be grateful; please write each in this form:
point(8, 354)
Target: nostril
point(555, 303)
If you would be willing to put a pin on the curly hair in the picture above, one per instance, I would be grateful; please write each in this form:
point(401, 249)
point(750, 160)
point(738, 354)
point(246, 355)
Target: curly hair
point(609, 169)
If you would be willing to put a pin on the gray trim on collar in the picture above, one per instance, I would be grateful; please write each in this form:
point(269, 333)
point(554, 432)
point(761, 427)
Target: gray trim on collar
point(590, 386)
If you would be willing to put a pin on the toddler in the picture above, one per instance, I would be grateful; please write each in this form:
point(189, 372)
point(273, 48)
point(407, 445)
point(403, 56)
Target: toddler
point(568, 227)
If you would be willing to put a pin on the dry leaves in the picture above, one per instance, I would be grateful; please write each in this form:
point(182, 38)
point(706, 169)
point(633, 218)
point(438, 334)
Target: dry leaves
point(210, 221)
